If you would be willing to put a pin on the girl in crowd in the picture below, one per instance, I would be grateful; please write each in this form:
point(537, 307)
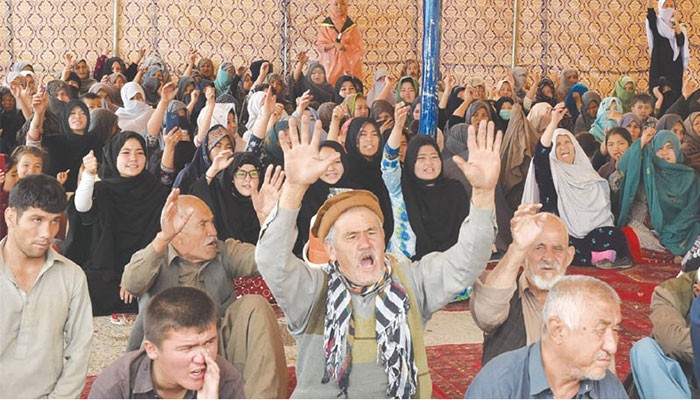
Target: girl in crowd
point(345, 86)
point(356, 105)
point(224, 77)
point(378, 87)
point(633, 124)
point(588, 112)
point(691, 144)
point(574, 99)
point(364, 146)
point(215, 141)
point(545, 92)
point(673, 123)
point(83, 71)
point(406, 90)
point(314, 81)
point(616, 143)
point(658, 192)
point(109, 94)
point(608, 116)
point(624, 89)
point(116, 216)
point(423, 200)
point(562, 179)
point(135, 113)
point(206, 69)
point(230, 188)
point(503, 108)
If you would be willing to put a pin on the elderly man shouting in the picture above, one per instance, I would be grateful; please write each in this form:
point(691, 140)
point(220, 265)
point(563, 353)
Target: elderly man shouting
point(359, 321)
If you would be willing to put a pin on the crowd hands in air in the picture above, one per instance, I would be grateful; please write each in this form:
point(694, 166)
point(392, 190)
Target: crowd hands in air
point(179, 185)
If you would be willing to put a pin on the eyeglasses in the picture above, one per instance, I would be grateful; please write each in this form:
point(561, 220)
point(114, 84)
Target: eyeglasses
point(240, 174)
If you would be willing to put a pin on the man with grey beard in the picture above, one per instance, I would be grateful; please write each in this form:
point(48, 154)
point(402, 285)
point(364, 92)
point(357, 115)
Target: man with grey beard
point(507, 304)
point(580, 327)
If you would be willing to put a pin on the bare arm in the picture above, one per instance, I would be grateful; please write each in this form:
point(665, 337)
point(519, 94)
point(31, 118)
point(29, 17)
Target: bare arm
point(400, 114)
point(156, 121)
point(558, 113)
point(208, 112)
point(339, 112)
point(387, 89)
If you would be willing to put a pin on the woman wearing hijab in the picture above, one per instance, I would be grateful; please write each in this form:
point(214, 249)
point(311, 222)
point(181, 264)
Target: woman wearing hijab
point(114, 217)
point(574, 99)
point(118, 80)
point(364, 146)
point(545, 92)
point(152, 82)
point(476, 112)
point(503, 108)
point(617, 141)
point(406, 90)
point(206, 69)
point(104, 124)
point(83, 71)
point(673, 123)
point(428, 208)
point(590, 101)
point(517, 149)
point(11, 120)
point(562, 179)
point(345, 86)
point(215, 141)
point(224, 77)
point(228, 187)
point(609, 113)
point(135, 113)
point(334, 180)
point(107, 92)
point(668, 45)
point(625, 89)
point(115, 65)
point(314, 81)
point(377, 87)
point(520, 75)
point(658, 192)
point(356, 105)
point(691, 144)
point(67, 147)
point(568, 78)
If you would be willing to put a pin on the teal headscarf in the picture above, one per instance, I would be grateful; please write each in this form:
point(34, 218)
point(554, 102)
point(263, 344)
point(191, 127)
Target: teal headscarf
point(223, 78)
point(673, 192)
point(602, 122)
point(413, 81)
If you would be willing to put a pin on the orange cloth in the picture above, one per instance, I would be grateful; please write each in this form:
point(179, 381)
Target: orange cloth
point(336, 62)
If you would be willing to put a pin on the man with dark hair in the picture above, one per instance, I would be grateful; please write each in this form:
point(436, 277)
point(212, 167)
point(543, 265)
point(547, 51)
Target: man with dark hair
point(46, 317)
point(179, 359)
point(92, 101)
point(643, 108)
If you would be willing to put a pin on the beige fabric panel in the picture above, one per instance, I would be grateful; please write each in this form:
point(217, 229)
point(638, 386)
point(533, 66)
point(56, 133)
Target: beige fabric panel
point(604, 38)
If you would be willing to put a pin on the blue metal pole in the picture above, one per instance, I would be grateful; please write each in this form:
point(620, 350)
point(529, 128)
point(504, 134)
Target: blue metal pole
point(432, 10)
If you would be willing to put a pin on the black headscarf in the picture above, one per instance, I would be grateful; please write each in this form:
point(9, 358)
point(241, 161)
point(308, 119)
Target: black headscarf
point(454, 101)
point(234, 215)
point(435, 208)
point(359, 87)
point(501, 124)
point(322, 92)
point(201, 161)
point(255, 68)
point(73, 91)
point(107, 69)
point(102, 123)
point(182, 84)
point(317, 194)
point(540, 97)
point(124, 218)
point(67, 149)
point(367, 174)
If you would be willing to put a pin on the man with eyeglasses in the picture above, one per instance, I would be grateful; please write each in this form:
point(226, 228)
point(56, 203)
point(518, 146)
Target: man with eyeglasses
point(186, 252)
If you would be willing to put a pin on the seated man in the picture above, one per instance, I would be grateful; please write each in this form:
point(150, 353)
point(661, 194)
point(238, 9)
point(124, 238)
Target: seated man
point(581, 320)
point(179, 359)
point(662, 365)
point(506, 304)
point(46, 315)
point(187, 252)
point(359, 321)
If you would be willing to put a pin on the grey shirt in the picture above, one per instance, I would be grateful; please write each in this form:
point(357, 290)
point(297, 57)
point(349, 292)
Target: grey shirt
point(434, 280)
point(45, 334)
point(130, 378)
point(519, 374)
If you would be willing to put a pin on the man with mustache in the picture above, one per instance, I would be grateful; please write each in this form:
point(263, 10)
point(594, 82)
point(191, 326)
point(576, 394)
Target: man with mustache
point(186, 252)
point(580, 327)
point(359, 320)
point(507, 304)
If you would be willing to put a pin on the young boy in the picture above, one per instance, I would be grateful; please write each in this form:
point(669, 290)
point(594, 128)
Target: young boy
point(179, 356)
point(643, 107)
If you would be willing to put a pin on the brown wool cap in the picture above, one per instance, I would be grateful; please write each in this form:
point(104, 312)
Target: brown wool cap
point(338, 204)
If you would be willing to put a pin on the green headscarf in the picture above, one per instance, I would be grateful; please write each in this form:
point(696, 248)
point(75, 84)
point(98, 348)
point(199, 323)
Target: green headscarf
point(673, 192)
point(623, 94)
point(602, 123)
point(413, 81)
point(223, 78)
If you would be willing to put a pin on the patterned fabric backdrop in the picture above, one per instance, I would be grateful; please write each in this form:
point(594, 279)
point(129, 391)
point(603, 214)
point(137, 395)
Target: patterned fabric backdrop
point(604, 39)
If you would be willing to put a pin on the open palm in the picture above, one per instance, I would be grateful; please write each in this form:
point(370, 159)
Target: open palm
point(484, 164)
point(302, 163)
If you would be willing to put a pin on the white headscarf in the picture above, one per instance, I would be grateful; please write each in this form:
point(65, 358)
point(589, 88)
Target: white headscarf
point(254, 108)
point(135, 114)
point(583, 197)
point(665, 28)
point(220, 114)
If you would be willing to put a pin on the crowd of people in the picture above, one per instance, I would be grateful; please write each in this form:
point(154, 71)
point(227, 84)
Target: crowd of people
point(128, 189)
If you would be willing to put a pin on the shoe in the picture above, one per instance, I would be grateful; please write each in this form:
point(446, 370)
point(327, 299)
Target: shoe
point(118, 319)
point(623, 263)
point(604, 264)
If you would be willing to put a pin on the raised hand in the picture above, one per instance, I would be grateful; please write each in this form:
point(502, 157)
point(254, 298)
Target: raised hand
point(448, 82)
point(303, 101)
point(210, 95)
point(90, 163)
point(194, 96)
point(220, 162)
point(269, 102)
point(210, 387)
point(266, 198)
point(339, 112)
point(39, 102)
point(484, 164)
point(62, 177)
point(125, 296)
point(526, 225)
point(193, 56)
point(172, 138)
point(170, 221)
point(647, 135)
point(400, 114)
point(558, 113)
point(689, 87)
point(168, 92)
point(302, 163)
point(390, 81)
point(302, 58)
